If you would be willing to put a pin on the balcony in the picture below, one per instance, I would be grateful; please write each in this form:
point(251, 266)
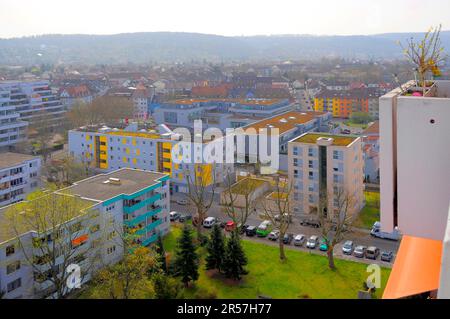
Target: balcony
point(414, 158)
point(141, 204)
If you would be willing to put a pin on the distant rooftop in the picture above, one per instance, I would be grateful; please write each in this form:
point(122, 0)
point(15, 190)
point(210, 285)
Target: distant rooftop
point(374, 128)
point(131, 181)
point(338, 140)
point(285, 121)
point(255, 101)
point(246, 185)
point(13, 159)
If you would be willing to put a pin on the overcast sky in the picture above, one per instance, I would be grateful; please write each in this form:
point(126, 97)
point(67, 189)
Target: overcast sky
point(224, 17)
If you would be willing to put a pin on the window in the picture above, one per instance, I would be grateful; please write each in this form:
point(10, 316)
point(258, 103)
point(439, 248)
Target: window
point(94, 228)
point(310, 164)
point(12, 267)
point(10, 250)
point(110, 250)
point(295, 150)
point(13, 285)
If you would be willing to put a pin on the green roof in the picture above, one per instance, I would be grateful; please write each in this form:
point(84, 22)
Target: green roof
point(338, 140)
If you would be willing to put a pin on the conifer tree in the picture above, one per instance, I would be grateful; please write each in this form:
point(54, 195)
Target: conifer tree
point(235, 259)
point(186, 260)
point(215, 249)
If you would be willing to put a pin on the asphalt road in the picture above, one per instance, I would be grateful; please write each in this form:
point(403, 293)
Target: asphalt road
point(358, 236)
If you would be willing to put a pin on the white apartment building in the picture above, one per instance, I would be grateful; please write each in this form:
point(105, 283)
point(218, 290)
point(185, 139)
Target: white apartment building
point(324, 164)
point(12, 129)
point(19, 175)
point(114, 203)
point(34, 101)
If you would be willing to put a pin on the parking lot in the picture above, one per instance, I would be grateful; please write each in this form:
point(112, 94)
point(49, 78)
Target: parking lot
point(357, 236)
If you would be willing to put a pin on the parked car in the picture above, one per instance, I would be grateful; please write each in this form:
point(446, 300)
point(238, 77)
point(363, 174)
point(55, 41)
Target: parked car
point(182, 201)
point(287, 239)
point(312, 242)
point(230, 225)
point(376, 232)
point(299, 240)
point(209, 222)
point(222, 224)
point(274, 235)
point(287, 216)
point(387, 256)
point(250, 231)
point(264, 228)
point(323, 245)
point(242, 228)
point(348, 247)
point(372, 252)
point(359, 251)
point(346, 131)
point(310, 222)
point(184, 218)
point(173, 216)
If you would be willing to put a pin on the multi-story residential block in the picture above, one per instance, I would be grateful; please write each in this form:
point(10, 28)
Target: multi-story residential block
point(323, 164)
point(142, 98)
point(35, 102)
point(289, 125)
point(12, 129)
point(19, 175)
point(415, 187)
point(72, 95)
point(220, 113)
point(113, 203)
point(371, 140)
point(342, 103)
point(107, 149)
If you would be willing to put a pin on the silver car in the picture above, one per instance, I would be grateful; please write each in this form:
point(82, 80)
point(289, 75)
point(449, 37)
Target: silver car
point(359, 251)
point(348, 247)
point(299, 240)
point(312, 242)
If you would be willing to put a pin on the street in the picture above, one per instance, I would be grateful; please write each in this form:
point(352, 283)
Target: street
point(358, 236)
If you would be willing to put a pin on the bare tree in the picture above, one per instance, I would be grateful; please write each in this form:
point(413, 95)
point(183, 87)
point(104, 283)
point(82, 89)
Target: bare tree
point(201, 190)
point(102, 109)
point(67, 170)
point(336, 221)
point(52, 230)
point(426, 55)
point(279, 210)
point(239, 215)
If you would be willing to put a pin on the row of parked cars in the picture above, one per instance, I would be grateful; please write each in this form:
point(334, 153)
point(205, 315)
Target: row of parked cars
point(370, 252)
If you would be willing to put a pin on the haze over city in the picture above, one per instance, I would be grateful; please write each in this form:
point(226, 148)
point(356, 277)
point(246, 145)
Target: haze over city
point(325, 17)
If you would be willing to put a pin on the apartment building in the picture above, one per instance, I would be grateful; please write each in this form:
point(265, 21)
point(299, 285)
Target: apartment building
point(371, 140)
point(35, 102)
point(113, 203)
point(108, 149)
point(12, 129)
point(324, 164)
point(415, 187)
point(289, 124)
point(72, 95)
point(142, 97)
point(342, 103)
point(220, 113)
point(19, 175)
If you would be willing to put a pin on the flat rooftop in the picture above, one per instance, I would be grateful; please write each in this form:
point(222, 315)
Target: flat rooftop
point(246, 185)
point(131, 181)
point(285, 121)
point(9, 159)
point(338, 140)
point(11, 226)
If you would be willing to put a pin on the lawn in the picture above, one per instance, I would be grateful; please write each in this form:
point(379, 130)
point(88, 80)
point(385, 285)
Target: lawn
point(356, 125)
point(370, 213)
point(303, 275)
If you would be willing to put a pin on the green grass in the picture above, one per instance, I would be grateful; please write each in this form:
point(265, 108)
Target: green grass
point(357, 125)
point(370, 213)
point(303, 274)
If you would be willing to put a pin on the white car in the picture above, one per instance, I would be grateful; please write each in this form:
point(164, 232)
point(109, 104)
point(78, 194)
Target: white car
point(274, 235)
point(299, 240)
point(182, 201)
point(312, 242)
point(209, 222)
